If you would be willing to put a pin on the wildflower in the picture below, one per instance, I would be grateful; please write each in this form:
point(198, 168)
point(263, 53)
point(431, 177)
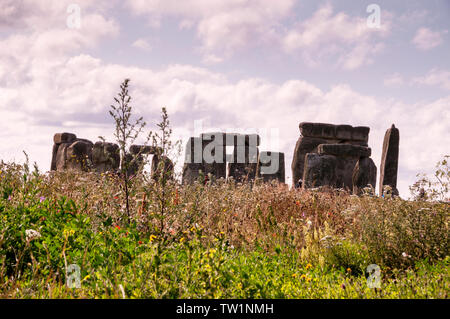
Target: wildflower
point(308, 279)
point(152, 238)
point(297, 203)
point(294, 275)
point(208, 268)
point(309, 223)
point(117, 226)
point(182, 240)
point(308, 266)
point(140, 242)
point(405, 255)
point(9, 197)
point(32, 234)
point(41, 199)
point(303, 276)
point(349, 270)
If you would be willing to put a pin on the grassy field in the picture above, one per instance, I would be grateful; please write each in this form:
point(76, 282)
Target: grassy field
point(212, 241)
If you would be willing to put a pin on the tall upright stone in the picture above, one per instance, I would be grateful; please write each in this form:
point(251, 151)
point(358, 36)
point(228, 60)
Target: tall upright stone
point(364, 175)
point(193, 161)
point(244, 160)
point(271, 166)
point(214, 153)
point(58, 139)
point(389, 160)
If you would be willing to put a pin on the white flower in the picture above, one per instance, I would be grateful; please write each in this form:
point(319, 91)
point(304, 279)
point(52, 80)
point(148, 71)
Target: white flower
point(309, 223)
point(405, 255)
point(32, 234)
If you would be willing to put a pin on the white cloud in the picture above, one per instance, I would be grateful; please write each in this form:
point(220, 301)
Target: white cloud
point(48, 86)
point(222, 26)
point(327, 35)
point(75, 94)
point(142, 44)
point(394, 80)
point(435, 77)
point(426, 39)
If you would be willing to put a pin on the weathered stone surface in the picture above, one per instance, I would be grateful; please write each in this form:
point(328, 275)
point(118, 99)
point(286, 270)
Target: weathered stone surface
point(162, 167)
point(231, 139)
point(191, 172)
point(143, 149)
point(343, 132)
point(76, 155)
point(271, 166)
point(344, 172)
point(79, 155)
point(320, 170)
point(61, 156)
point(193, 161)
point(54, 153)
point(360, 133)
point(194, 151)
point(243, 164)
point(364, 174)
point(320, 130)
point(344, 150)
point(389, 159)
point(303, 146)
point(214, 155)
point(59, 138)
point(331, 131)
point(105, 157)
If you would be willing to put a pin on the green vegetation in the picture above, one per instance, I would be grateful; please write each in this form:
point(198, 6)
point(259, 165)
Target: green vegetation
point(219, 241)
point(150, 237)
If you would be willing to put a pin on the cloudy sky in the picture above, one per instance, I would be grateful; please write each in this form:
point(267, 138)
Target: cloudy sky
point(246, 65)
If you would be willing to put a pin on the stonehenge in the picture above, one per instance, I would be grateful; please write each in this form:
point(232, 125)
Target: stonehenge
point(389, 160)
point(207, 155)
point(336, 156)
point(72, 153)
point(331, 155)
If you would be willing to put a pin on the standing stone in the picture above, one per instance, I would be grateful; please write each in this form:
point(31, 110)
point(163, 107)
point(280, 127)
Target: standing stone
point(54, 153)
point(344, 172)
point(243, 164)
point(214, 154)
point(303, 146)
point(389, 160)
point(60, 162)
point(79, 155)
point(105, 157)
point(59, 138)
point(364, 175)
point(271, 166)
point(193, 161)
point(320, 170)
point(162, 167)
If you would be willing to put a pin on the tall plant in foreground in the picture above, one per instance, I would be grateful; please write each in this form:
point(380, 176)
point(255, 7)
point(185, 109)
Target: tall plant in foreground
point(163, 175)
point(437, 188)
point(126, 132)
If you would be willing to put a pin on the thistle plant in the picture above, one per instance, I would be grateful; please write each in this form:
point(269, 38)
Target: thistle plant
point(126, 132)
